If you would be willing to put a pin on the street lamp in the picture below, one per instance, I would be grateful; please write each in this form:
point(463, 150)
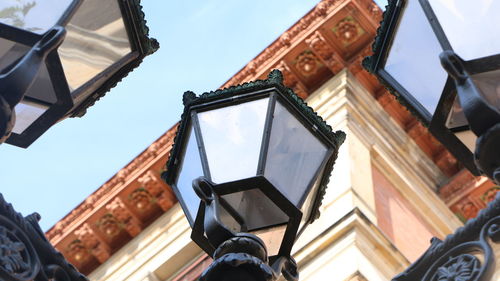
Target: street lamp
point(259, 159)
point(458, 100)
point(95, 43)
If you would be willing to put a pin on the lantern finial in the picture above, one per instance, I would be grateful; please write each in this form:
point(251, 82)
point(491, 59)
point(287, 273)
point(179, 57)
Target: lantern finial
point(275, 76)
point(188, 97)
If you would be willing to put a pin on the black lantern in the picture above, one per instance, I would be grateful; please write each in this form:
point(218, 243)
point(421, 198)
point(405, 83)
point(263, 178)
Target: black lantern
point(104, 40)
point(258, 157)
point(442, 60)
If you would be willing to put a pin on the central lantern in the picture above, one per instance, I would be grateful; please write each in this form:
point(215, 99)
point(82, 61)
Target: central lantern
point(258, 158)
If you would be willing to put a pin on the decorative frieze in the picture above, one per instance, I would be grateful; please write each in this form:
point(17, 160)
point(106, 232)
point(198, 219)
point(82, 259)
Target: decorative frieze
point(291, 80)
point(348, 30)
point(158, 189)
point(97, 247)
point(119, 211)
point(320, 46)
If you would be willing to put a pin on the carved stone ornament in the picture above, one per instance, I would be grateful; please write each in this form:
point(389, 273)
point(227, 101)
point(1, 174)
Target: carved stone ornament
point(307, 63)
point(348, 30)
point(77, 251)
point(141, 199)
point(109, 225)
point(25, 253)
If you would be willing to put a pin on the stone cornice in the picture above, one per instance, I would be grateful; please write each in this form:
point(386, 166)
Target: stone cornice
point(326, 12)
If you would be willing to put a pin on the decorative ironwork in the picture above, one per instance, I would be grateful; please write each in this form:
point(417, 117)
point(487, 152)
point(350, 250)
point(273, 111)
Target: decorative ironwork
point(466, 255)
point(16, 257)
point(25, 253)
point(461, 268)
point(244, 257)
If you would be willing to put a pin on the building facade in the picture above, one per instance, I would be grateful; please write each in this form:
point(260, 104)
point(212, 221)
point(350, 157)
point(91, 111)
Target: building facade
point(393, 188)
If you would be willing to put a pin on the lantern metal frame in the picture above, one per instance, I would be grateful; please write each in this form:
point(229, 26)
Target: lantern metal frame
point(206, 217)
point(436, 121)
point(91, 91)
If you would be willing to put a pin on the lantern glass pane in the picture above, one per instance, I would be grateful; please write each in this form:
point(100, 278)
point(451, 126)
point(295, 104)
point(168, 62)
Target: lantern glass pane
point(489, 86)
point(413, 59)
point(36, 16)
point(456, 117)
point(96, 38)
point(26, 113)
point(228, 220)
point(470, 26)
point(308, 204)
point(232, 138)
point(468, 139)
point(255, 208)
point(42, 88)
point(10, 52)
point(272, 238)
point(189, 169)
point(294, 155)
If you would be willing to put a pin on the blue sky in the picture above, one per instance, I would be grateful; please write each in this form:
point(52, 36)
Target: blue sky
point(203, 43)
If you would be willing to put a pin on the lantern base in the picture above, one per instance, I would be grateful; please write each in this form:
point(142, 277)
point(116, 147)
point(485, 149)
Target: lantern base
point(244, 258)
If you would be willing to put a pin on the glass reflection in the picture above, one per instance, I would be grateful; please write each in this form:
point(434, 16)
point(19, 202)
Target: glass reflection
point(33, 15)
point(456, 117)
point(96, 38)
point(413, 59)
point(10, 52)
point(272, 238)
point(190, 169)
point(255, 208)
point(307, 205)
point(26, 113)
point(232, 137)
point(489, 86)
point(471, 27)
point(294, 155)
point(468, 139)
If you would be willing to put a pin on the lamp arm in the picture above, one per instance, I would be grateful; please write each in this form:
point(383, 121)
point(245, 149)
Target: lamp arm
point(215, 230)
point(484, 119)
point(17, 80)
point(479, 113)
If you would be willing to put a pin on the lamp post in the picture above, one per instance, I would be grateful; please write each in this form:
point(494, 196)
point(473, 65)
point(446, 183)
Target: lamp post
point(458, 100)
point(57, 58)
point(250, 165)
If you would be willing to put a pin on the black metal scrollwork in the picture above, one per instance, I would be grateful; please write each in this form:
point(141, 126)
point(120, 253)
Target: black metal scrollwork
point(17, 257)
point(466, 255)
point(25, 252)
point(464, 267)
